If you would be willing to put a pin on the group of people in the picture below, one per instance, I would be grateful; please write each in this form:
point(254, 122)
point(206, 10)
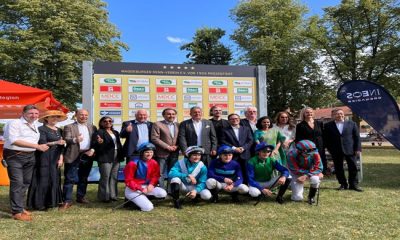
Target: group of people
point(239, 156)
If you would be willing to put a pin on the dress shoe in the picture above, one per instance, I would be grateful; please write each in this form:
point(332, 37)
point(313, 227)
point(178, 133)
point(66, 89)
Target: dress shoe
point(279, 199)
point(342, 187)
point(82, 200)
point(21, 217)
point(355, 188)
point(26, 212)
point(64, 206)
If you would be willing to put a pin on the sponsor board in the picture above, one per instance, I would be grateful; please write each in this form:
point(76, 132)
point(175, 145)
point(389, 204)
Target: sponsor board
point(139, 97)
point(166, 105)
point(218, 98)
point(110, 112)
point(166, 82)
point(195, 98)
point(131, 113)
point(193, 82)
point(221, 105)
point(139, 81)
point(242, 83)
point(242, 105)
point(243, 98)
point(166, 97)
point(191, 104)
point(117, 121)
point(110, 88)
point(240, 112)
point(110, 96)
point(192, 90)
point(110, 80)
point(110, 105)
point(218, 90)
point(139, 105)
point(138, 89)
point(218, 83)
point(166, 89)
point(243, 90)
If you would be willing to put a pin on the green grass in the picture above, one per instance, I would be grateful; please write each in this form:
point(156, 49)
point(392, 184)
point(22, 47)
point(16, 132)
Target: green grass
point(373, 214)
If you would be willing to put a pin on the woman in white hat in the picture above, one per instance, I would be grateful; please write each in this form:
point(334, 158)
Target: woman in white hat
point(45, 189)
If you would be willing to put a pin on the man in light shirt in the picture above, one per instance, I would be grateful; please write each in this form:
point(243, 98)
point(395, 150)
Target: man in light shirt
point(342, 139)
point(136, 132)
point(77, 157)
point(21, 141)
point(198, 132)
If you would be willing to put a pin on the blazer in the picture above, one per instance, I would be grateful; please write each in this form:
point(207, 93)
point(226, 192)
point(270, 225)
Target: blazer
point(132, 138)
point(71, 131)
point(305, 132)
point(245, 140)
point(346, 143)
point(105, 151)
point(187, 136)
point(161, 137)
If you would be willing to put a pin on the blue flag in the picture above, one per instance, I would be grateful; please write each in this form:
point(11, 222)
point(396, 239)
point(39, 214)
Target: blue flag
point(374, 105)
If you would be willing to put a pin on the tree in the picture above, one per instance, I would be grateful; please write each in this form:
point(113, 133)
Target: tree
point(206, 48)
point(272, 33)
point(361, 41)
point(43, 42)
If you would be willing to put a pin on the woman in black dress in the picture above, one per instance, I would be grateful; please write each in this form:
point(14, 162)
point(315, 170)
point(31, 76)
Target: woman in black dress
point(45, 189)
point(310, 129)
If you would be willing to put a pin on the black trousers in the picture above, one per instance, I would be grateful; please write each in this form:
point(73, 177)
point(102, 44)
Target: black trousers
point(20, 169)
point(351, 165)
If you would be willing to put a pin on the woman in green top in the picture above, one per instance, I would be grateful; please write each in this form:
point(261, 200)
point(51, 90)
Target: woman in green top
point(265, 133)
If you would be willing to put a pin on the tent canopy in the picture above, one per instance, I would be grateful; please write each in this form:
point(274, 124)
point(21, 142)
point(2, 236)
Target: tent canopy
point(13, 97)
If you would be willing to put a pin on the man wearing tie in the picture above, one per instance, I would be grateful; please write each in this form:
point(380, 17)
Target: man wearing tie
point(342, 139)
point(164, 135)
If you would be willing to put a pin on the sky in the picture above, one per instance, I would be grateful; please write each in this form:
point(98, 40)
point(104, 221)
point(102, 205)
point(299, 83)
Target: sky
point(154, 30)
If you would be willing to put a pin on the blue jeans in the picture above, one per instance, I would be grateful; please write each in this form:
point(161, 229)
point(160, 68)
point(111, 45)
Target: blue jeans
point(77, 172)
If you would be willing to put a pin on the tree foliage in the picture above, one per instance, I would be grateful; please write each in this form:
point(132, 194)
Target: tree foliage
point(361, 41)
point(272, 33)
point(43, 42)
point(206, 48)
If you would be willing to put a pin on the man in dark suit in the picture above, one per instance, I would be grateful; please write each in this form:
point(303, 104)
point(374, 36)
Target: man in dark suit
point(198, 132)
point(251, 118)
point(77, 157)
point(342, 139)
point(240, 138)
point(218, 122)
point(164, 135)
point(136, 132)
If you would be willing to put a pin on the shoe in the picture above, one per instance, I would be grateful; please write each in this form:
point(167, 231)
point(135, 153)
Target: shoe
point(235, 197)
point(356, 188)
point(64, 206)
point(177, 204)
point(342, 187)
point(82, 200)
point(22, 217)
point(26, 212)
point(280, 200)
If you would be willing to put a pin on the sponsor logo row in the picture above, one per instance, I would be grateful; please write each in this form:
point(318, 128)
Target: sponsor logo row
point(173, 97)
point(172, 82)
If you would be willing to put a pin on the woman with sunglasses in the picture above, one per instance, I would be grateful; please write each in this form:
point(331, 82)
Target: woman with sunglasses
point(286, 127)
point(108, 148)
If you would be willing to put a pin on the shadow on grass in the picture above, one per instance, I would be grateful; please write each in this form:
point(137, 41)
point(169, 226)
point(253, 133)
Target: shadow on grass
point(381, 175)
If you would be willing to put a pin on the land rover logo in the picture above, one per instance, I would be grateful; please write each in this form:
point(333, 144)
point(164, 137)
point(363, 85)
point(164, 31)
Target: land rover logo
point(138, 89)
point(110, 80)
point(168, 82)
point(192, 90)
point(243, 90)
point(217, 83)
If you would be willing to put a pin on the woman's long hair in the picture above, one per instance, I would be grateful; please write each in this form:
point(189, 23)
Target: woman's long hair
point(290, 120)
point(101, 121)
point(259, 121)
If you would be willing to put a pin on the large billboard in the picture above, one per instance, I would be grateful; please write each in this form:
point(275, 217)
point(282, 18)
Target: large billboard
point(120, 89)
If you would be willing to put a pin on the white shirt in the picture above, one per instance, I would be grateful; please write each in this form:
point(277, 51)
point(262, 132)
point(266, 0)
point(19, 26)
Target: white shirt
point(339, 126)
point(20, 129)
point(236, 131)
point(289, 134)
point(198, 126)
point(171, 127)
point(85, 144)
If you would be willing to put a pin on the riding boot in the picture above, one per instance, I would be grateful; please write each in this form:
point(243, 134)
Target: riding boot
point(214, 195)
point(311, 195)
point(235, 197)
point(282, 190)
point(175, 195)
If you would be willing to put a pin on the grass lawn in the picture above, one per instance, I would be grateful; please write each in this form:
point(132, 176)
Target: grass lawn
point(372, 214)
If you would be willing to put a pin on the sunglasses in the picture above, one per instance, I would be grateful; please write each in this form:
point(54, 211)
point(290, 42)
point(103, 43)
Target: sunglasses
point(107, 121)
